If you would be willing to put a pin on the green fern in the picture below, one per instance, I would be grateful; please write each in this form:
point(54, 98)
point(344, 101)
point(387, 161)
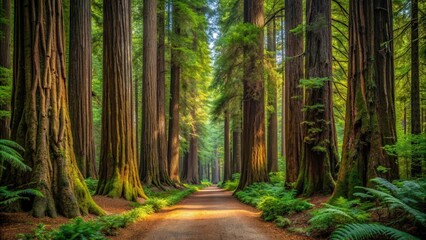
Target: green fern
point(7, 196)
point(357, 231)
point(326, 219)
point(409, 198)
point(11, 153)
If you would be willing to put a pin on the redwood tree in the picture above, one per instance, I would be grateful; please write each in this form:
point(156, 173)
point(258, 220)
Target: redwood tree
point(192, 175)
point(40, 117)
point(293, 93)
point(173, 140)
point(254, 163)
point(416, 160)
point(236, 147)
point(227, 148)
point(80, 86)
point(319, 151)
point(118, 171)
point(272, 144)
point(370, 108)
point(161, 96)
point(5, 71)
point(150, 171)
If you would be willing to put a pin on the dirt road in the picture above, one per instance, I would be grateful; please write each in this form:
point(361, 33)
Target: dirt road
point(209, 214)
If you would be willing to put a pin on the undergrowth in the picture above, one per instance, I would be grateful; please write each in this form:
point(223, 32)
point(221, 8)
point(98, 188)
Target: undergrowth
point(271, 198)
point(104, 226)
point(394, 210)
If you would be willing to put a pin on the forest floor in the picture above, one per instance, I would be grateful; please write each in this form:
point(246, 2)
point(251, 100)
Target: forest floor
point(211, 213)
point(12, 224)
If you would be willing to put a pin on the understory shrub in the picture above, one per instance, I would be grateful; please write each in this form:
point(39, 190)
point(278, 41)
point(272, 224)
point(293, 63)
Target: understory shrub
point(343, 211)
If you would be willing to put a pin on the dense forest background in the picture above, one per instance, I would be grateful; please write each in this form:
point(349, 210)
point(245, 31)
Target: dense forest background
point(326, 94)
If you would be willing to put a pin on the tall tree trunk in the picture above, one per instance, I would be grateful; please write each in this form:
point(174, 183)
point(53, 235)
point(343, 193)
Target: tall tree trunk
point(416, 160)
point(320, 143)
point(215, 168)
point(161, 96)
point(236, 146)
point(5, 68)
point(149, 171)
point(118, 171)
point(40, 117)
point(272, 144)
point(173, 140)
point(283, 91)
point(227, 148)
point(293, 93)
point(80, 86)
point(370, 108)
point(192, 173)
point(254, 163)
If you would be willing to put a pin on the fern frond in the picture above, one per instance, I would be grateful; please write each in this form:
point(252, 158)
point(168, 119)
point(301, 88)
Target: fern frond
point(12, 144)
point(14, 161)
point(356, 231)
point(394, 203)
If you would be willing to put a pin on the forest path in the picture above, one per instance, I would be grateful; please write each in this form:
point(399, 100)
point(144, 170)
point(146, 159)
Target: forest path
point(209, 214)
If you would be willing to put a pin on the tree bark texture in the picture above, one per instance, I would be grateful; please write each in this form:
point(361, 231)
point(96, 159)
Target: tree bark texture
point(118, 171)
point(192, 176)
point(215, 168)
point(80, 86)
point(227, 148)
point(272, 144)
point(173, 138)
point(370, 108)
point(161, 96)
point(5, 67)
point(40, 115)
point(416, 160)
point(319, 151)
point(254, 162)
point(293, 96)
point(150, 170)
point(236, 150)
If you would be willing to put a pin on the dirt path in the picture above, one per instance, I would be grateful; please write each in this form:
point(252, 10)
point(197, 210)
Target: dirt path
point(211, 213)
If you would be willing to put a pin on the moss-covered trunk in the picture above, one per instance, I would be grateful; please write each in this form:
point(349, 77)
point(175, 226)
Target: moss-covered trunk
point(80, 86)
point(118, 171)
point(319, 151)
point(40, 117)
point(370, 108)
point(254, 163)
point(293, 97)
point(5, 69)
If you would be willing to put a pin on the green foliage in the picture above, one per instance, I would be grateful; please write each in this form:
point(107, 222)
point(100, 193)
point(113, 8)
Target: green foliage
point(10, 196)
point(343, 211)
point(79, 229)
point(282, 222)
point(233, 184)
point(40, 233)
point(91, 185)
point(11, 153)
point(313, 83)
point(356, 231)
point(407, 145)
point(272, 207)
point(406, 196)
